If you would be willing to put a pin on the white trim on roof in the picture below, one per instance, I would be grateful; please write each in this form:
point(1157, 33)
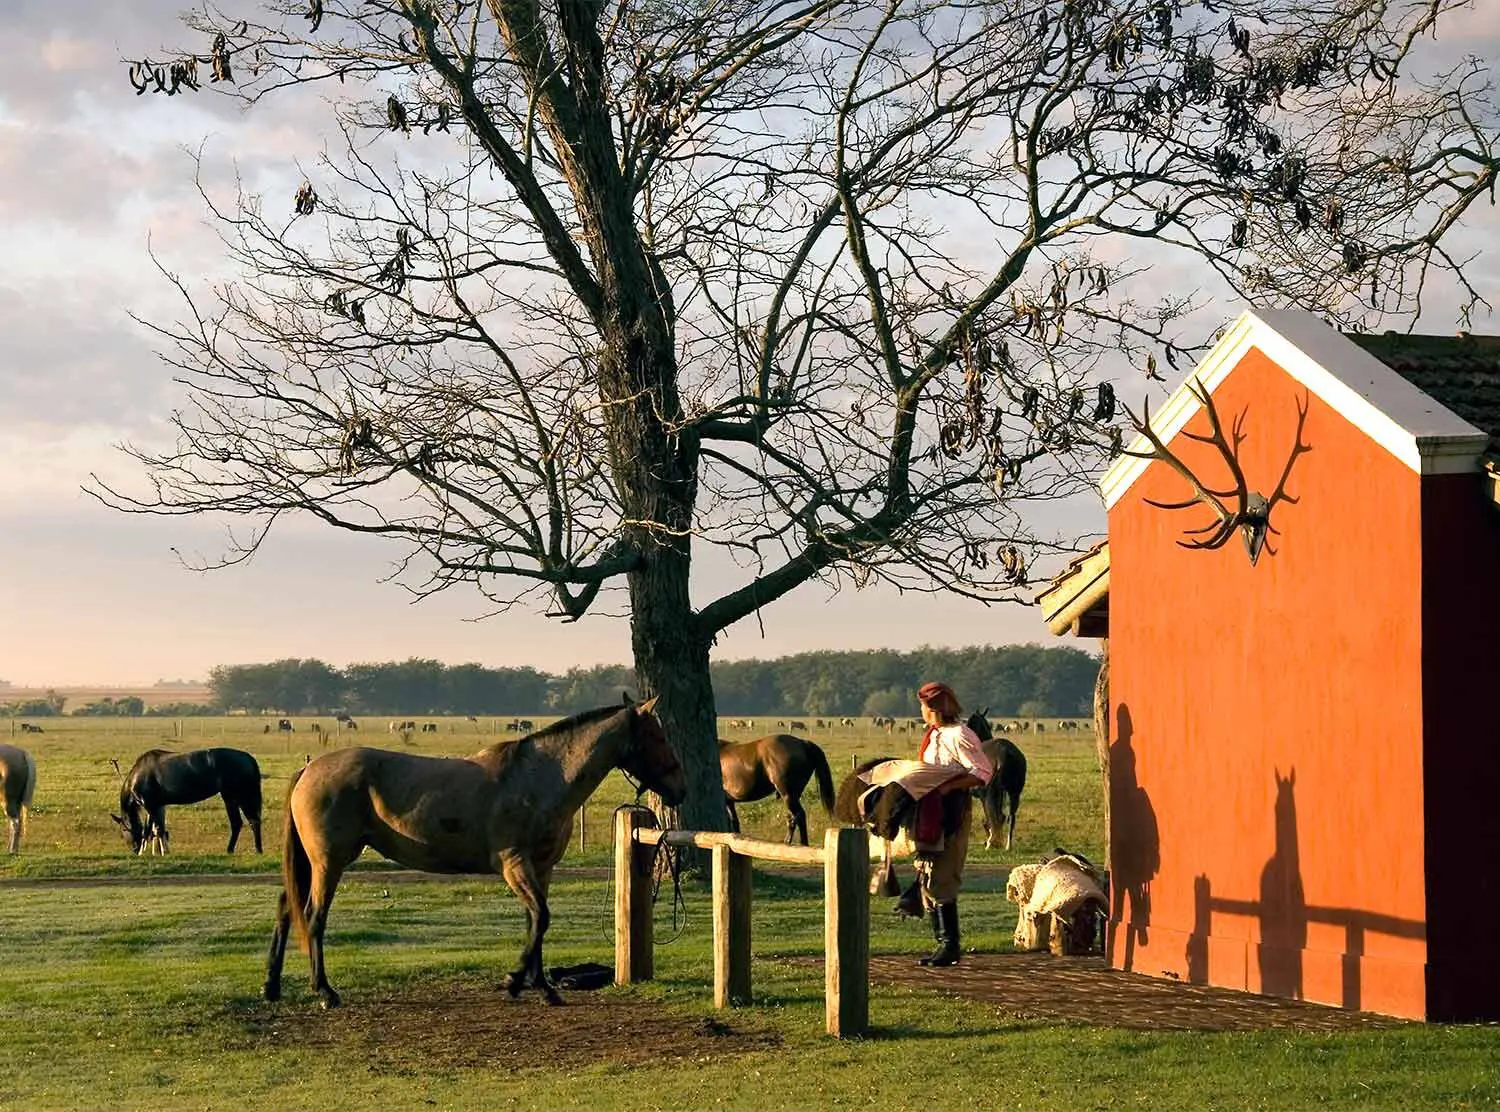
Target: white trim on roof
point(1426, 436)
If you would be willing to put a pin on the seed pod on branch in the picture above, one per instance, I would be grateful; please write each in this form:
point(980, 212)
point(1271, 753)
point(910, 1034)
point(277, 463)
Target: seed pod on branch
point(1104, 403)
point(306, 200)
point(395, 115)
point(219, 53)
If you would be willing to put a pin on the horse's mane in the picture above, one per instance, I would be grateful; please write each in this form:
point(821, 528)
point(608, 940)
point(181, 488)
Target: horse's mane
point(583, 718)
point(502, 753)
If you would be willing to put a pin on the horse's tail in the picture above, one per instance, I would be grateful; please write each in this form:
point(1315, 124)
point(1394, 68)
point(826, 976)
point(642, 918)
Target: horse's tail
point(296, 869)
point(29, 790)
point(825, 778)
point(1018, 781)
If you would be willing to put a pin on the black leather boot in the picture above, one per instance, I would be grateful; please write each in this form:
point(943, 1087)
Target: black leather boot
point(910, 903)
point(945, 930)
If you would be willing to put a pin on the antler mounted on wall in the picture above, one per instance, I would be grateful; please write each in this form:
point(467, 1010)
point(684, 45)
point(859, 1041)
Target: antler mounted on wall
point(1239, 508)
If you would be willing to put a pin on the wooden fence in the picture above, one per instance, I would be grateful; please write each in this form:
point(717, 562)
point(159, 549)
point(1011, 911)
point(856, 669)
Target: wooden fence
point(845, 857)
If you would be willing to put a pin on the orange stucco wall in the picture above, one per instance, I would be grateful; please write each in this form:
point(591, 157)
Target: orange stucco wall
point(1267, 759)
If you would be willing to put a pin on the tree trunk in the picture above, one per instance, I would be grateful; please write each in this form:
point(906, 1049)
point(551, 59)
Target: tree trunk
point(656, 469)
point(1101, 734)
point(671, 660)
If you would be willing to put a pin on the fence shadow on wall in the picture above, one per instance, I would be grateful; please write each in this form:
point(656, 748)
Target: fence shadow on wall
point(1284, 915)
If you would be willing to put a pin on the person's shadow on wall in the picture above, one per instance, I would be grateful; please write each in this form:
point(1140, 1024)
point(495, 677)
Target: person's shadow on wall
point(1135, 841)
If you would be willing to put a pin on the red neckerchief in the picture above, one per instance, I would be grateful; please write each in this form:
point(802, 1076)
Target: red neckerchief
point(927, 739)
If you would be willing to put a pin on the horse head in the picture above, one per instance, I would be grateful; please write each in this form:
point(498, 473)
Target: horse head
point(979, 722)
point(649, 757)
point(129, 819)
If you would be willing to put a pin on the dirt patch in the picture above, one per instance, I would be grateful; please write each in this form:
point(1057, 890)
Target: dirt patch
point(469, 1023)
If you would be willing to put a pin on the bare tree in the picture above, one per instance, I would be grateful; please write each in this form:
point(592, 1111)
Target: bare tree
point(819, 283)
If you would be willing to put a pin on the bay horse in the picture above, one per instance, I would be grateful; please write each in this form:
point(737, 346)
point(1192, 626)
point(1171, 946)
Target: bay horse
point(17, 784)
point(160, 777)
point(507, 809)
point(780, 763)
point(1001, 797)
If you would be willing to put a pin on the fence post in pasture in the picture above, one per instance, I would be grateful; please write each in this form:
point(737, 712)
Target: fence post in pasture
point(846, 930)
point(634, 944)
point(583, 827)
point(731, 883)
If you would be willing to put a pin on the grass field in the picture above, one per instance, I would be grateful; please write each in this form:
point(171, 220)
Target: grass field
point(71, 833)
point(128, 992)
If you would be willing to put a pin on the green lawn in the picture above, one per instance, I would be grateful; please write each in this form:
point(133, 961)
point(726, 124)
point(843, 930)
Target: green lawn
point(143, 994)
point(145, 997)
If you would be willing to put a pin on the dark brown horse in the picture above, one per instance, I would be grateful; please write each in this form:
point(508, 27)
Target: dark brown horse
point(17, 784)
point(1002, 795)
point(782, 764)
point(508, 809)
point(160, 777)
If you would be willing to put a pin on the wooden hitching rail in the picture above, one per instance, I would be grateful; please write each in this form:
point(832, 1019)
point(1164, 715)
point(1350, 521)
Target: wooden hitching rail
point(845, 857)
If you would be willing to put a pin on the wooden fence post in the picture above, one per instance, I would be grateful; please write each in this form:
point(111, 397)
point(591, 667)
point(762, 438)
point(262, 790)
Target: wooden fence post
point(634, 945)
point(583, 827)
point(732, 877)
point(846, 930)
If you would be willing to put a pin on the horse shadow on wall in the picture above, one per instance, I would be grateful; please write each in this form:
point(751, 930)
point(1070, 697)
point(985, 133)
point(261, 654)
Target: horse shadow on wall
point(1135, 843)
point(1282, 907)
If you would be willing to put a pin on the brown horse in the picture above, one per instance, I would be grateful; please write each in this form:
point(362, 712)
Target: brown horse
point(17, 783)
point(780, 763)
point(508, 809)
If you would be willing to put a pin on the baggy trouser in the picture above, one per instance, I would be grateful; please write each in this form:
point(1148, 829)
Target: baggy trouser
point(942, 873)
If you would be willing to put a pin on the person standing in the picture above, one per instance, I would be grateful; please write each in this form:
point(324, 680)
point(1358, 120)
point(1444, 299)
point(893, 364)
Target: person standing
point(948, 742)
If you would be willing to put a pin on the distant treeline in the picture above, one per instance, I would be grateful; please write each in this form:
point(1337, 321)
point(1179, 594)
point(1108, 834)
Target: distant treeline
point(1026, 680)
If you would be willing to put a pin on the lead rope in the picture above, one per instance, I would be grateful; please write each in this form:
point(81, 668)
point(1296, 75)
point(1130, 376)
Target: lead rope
point(665, 861)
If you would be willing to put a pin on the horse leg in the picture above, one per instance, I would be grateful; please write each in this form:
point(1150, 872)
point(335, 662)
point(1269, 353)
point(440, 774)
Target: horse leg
point(15, 832)
point(234, 822)
point(320, 897)
point(531, 891)
point(156, 832)
point(254, 821)
point(734, 816)
point(1010, 830)
point(796, 820)
point(274, 960)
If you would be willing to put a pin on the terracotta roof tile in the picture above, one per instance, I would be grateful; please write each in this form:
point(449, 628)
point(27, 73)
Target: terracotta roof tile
point(1460, 372)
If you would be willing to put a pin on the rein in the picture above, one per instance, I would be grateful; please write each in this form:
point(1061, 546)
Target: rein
point(666, 861)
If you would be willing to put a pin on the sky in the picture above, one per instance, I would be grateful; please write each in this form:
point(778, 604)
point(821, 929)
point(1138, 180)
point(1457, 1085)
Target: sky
point(92, 181)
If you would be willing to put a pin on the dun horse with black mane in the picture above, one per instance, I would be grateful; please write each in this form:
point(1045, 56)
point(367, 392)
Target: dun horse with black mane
point(17, 784)
point(508, 809)
point(160, 777)
point(782, 764)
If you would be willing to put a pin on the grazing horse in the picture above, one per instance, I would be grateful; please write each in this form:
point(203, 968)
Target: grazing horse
point(782, 764)
point(160, 777)
point(17, 784)
point(1002, 795)
point(508, 809)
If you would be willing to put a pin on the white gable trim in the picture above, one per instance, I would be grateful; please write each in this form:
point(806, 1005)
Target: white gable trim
point(1413, 427)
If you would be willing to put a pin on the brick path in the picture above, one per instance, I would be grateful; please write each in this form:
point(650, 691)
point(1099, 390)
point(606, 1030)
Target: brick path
point(1083, 990)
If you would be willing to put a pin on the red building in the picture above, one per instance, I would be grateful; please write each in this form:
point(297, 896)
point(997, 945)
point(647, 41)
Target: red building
point(1303, 750)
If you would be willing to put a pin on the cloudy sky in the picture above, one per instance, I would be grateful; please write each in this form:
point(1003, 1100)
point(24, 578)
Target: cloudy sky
point(91, 180)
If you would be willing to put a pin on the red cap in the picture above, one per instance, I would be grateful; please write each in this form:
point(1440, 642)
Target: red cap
point(940, 697)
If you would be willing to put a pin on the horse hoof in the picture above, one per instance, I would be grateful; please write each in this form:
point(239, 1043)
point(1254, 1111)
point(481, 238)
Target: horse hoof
point(271, 992)
point(512, 984)
point(328, 999)
point(553, 997)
